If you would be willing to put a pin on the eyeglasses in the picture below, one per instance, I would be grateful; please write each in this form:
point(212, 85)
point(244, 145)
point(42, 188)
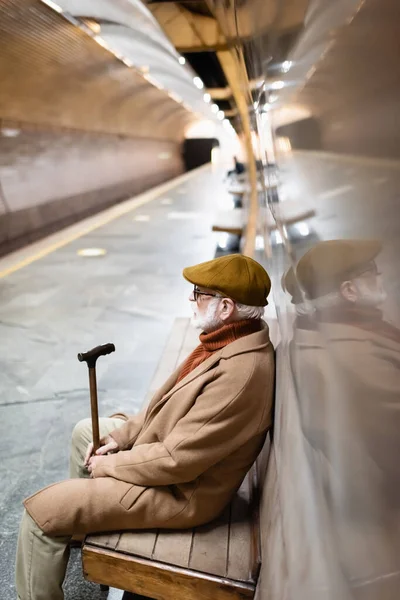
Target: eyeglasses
point(370, 271)
point(197, 293)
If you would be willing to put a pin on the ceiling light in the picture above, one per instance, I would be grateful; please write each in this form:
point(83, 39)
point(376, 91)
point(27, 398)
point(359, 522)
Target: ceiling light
point(286, 65)
point(207, 98)
point(53, 5)
point(303, 229)
point(101, 42)
point(198, 82)
point(214, 108)
point(10, 132)
point(223, 240)
point(260, 242)
point(220, 115)
point(91, 252)
point(145, 69)
point(93, 25)
point(182, 60)
point(255, 105)
point(277, 85)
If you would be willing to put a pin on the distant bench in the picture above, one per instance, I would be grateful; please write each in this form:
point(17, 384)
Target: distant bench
point(217, 561)
point(234, 221)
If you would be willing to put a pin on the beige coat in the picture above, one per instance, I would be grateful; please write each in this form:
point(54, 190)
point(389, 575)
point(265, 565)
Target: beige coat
point(183, 458)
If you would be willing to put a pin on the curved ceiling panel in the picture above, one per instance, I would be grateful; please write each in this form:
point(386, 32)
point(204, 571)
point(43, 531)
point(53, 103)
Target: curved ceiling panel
point(52, 73)
point(130, 29)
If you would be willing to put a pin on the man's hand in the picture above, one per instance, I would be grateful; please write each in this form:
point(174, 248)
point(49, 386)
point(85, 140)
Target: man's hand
point(92, 464)
point(108, 444)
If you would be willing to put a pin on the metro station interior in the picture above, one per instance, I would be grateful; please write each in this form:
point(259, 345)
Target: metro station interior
point(138, 137)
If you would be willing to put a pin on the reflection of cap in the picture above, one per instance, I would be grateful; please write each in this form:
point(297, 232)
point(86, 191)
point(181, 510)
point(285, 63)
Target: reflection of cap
point(323, 268)
point(289, 284)
point(236, 276)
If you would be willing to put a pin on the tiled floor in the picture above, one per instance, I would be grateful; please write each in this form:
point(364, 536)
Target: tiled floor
point(63, 304)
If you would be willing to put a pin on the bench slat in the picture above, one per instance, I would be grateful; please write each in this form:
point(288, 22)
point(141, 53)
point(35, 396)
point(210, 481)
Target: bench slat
point(241, 560)
point(104, 540)
point(174, 547)
point(140, 544)
point(210, 546)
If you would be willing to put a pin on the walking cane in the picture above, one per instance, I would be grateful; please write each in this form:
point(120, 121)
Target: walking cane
point(90, 359)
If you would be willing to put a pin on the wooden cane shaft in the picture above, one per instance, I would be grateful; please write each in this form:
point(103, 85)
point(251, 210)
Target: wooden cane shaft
point(94, 408)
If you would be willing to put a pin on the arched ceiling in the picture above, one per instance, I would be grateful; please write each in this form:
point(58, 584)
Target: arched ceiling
point(54, 73)
point(128, 28)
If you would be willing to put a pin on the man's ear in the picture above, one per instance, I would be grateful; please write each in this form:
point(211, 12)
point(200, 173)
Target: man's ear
point(348, 291)
point(227, 308)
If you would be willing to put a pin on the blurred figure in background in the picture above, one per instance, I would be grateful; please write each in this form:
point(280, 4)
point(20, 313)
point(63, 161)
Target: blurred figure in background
point(238, 169)
point(345, 359)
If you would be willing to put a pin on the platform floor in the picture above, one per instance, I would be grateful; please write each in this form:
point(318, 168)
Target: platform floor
point(64, 303)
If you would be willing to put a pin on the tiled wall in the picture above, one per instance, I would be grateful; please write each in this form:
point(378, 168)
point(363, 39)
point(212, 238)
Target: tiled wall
point(51, 178)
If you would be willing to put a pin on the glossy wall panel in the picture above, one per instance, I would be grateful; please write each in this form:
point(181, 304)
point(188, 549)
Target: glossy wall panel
point(334, 532)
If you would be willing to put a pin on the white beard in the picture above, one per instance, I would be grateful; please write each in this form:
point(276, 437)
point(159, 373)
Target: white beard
point(369, 296)
point(209, 321)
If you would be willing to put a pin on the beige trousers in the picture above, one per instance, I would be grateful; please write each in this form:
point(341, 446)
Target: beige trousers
point(41, 560)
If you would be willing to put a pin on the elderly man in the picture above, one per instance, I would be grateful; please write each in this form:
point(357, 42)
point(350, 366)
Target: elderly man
point(346, 362)
point(178, 463)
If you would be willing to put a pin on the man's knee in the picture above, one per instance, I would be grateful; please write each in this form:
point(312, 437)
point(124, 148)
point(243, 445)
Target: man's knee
point(82, 434)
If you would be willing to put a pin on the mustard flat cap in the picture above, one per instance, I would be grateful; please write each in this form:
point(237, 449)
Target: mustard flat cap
point(327, 264)
point(235, 276)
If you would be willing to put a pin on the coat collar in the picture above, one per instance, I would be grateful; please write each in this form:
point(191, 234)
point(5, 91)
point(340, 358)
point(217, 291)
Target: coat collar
point(248, 343)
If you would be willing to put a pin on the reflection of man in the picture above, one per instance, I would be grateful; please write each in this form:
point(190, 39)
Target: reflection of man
point(349, 373)
point(302, 309)
point(178, 463)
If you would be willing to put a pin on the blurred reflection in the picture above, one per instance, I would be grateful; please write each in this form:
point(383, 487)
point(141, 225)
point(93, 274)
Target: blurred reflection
point(345, 359)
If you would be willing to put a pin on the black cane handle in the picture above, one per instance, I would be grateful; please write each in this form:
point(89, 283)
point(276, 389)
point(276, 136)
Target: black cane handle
point(92, 355)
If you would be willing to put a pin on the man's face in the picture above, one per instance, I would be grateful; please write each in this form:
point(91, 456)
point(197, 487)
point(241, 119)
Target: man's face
point(368, 288)
point(205, 304)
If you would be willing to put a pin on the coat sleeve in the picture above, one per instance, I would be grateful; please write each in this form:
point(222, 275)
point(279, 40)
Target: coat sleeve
point(126, 435)
point(222, 419)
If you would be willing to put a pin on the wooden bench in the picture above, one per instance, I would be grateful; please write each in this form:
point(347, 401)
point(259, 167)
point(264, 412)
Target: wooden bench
point(217, 561)
point(234, 221)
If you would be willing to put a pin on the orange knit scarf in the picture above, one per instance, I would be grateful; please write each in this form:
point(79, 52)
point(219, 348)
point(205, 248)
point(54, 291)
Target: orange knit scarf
point(210, 342)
